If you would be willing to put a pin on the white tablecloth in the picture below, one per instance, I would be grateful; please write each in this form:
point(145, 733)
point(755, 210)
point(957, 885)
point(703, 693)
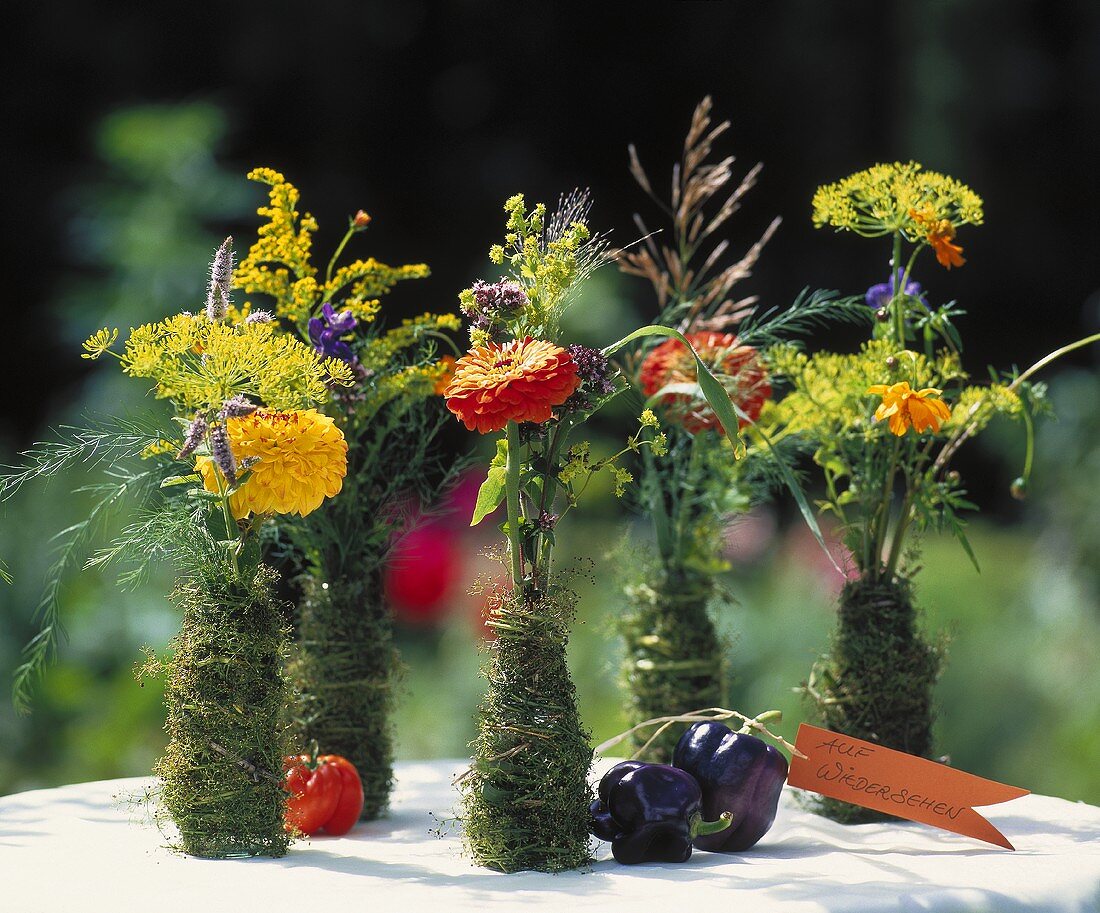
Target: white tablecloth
point(81, 849)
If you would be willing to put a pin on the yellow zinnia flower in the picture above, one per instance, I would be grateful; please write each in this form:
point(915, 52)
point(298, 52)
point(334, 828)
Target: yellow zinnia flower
point(907, 408)
point(302, 459)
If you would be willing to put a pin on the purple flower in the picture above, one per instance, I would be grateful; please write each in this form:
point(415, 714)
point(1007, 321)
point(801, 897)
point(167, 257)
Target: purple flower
point(325, 333)
point(222, 453)
point(878, 296)
point(593, 369)
point(195, 433)
point(498, 299)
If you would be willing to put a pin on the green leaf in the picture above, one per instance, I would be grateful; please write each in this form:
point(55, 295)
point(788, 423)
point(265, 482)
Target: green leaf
point(729, 415)
point(180, 480)
point(491, 492)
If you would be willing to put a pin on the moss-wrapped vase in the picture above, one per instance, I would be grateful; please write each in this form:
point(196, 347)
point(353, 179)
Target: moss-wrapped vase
point(674, 660)
point(227, 699)
point(346, 669)
point(525, 798)
point(877, 679)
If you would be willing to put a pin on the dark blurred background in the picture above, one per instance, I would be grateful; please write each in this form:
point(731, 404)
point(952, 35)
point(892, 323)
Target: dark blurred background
point(128, 131)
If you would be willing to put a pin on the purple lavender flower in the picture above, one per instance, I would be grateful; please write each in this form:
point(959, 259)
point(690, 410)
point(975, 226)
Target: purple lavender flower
point(195, 432)
point(878, 296)
point(325, 333)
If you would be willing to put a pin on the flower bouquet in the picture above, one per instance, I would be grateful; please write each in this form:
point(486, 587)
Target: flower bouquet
point(885, 423)
point(526, 795)
point(243, 443)
point(345, 666)
point(675, 661)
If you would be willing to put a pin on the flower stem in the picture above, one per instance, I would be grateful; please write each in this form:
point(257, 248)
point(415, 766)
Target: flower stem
point(511, 489)
point(336, 256)
point(897, 302)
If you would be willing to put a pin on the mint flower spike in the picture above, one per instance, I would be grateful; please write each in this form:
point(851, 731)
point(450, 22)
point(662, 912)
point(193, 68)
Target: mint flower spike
point(221, 279)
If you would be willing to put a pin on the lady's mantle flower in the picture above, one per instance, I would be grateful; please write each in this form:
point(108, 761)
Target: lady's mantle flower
point(302, 459)
point(520, 381)
point(880, 295)
point(907, 408)
point(738, 367)
point(325, 333)
point(940, 234)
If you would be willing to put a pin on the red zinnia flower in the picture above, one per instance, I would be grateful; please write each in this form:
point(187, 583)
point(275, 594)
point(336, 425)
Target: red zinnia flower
point(738, 367)
point(521, 381)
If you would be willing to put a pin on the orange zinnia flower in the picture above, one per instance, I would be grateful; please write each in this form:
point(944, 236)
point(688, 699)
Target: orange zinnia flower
point(940, 235)
point(521, 381)
point(738, 368)
point(907, 408)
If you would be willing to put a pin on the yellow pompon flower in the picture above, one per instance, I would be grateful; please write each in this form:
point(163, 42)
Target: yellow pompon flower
point(302, 459)
point(907, 408)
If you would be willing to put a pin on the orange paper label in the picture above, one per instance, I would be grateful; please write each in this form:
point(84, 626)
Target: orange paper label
point(841, 767)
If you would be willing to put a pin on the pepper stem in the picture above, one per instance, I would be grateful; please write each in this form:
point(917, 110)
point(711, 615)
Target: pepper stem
point(700, 828)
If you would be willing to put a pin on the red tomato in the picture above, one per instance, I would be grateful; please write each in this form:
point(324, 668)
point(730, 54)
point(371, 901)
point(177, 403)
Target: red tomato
point(323, 794)
point(350, 804)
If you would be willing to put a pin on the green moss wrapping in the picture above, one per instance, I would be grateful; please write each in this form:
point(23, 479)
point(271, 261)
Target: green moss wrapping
point(345, 670)
point(525, 799)
point(227, 700)
point(876, 681)
point(674, 659)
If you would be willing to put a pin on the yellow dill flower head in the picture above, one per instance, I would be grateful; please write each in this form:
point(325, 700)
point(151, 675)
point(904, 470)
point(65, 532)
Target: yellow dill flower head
point(882, 199)
point(302, 459)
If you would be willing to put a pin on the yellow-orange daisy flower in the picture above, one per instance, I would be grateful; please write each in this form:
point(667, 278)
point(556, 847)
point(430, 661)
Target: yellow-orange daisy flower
point(302, 459)
point(520, 381)
point(907, 408)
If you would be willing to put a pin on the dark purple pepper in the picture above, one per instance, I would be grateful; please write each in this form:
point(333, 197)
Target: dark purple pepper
point(739, 774)
point(650, 813)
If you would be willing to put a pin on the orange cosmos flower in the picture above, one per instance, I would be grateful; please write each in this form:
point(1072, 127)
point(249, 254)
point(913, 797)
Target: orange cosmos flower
point(907, 408)
point(940, 235)
point(520, 381)
point(738, 367)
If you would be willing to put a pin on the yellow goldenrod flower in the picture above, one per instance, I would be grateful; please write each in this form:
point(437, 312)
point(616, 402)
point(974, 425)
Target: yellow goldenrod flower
point(302, 459)
point(907, 408)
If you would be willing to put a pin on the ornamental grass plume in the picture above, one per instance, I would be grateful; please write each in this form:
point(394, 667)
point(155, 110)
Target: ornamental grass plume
point(383, 426)
point(884, 423)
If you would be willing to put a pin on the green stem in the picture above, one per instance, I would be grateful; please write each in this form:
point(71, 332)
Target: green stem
point(880, 520)
point(896, 302)
point(332, 263)
point(511, 489)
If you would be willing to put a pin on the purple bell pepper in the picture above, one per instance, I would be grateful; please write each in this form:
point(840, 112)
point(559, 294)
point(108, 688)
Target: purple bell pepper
point(650, 813)
point(739, 774)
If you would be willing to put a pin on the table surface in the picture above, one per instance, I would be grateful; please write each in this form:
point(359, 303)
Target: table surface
point(84, 848)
